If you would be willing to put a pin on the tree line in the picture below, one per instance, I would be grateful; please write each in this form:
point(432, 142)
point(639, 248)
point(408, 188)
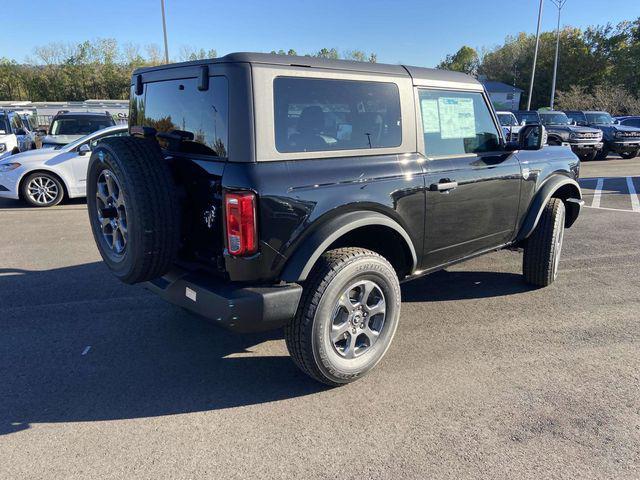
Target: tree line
point(599, 67)
point(101, 69)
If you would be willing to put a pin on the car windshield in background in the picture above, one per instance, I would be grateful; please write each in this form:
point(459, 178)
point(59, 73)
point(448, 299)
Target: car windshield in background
point(554, 119)
point(3, 123)
point(529, 118)
point(599, 118)
point(507, 120)
point(78, 126)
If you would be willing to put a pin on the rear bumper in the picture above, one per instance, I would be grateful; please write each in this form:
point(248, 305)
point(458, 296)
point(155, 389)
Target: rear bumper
point(235, 307)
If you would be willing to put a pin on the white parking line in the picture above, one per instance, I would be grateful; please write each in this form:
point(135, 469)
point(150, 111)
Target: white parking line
point(635, 203)
point(596, 194)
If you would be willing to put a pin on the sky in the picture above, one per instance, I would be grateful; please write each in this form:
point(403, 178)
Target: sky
point(413, 32)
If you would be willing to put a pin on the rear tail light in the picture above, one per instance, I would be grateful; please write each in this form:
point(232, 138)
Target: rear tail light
point(242, 234)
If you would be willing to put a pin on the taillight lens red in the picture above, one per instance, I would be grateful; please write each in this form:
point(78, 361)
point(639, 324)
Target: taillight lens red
point(242, 234)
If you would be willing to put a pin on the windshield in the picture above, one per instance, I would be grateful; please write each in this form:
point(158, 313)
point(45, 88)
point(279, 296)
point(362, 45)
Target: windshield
point(554, 119)
point(78, 126)
point(529, 118)
point(507, 119)
point(601, 118)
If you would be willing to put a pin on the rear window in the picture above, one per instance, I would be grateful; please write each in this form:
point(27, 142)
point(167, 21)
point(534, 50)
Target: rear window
point(318, 115)
point(187, 120)
point(79, 125)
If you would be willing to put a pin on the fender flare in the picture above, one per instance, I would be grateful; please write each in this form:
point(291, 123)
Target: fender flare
point(542, 197)
point(305, 256)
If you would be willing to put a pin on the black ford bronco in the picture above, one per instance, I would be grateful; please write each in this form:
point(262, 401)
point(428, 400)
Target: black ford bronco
point(621, 139)
point(585, 142)
point(265, 191)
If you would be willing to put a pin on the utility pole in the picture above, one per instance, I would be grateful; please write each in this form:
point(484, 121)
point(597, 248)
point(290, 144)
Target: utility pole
point(164, 29)
point(559, 4)
point(535, 56)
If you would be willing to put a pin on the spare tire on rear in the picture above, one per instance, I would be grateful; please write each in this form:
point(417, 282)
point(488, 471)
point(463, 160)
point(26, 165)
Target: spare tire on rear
point(133, 208)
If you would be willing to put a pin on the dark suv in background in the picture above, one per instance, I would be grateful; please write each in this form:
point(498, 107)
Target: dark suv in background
point(67, 127)
point(621, 139)
point(264, 191)
point(585, 142)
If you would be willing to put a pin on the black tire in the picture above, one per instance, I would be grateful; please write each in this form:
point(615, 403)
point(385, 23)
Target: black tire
point(588, 156)
point(630, 155)
point(543, 248)
point(147, 245)
point(602, 154)
point(42, 189)
point(308, 336)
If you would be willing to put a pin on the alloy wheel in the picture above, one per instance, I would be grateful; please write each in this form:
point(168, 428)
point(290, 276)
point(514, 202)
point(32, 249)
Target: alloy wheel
point(358, 319)
point(42, 190)
point(111, 212)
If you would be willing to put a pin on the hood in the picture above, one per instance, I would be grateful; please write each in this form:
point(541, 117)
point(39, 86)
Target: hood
point(34, 156)
point(60, 139)
point(571, 129)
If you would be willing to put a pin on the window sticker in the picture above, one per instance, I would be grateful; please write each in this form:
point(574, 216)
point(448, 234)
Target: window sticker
point(430, 115)
point(457, 118)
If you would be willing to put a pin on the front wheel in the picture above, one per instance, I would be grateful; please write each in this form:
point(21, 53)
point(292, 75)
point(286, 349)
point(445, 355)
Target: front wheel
point(543, 248)
point(602, 154)
point(42, 189)
point(630, 155)
point(347, 316)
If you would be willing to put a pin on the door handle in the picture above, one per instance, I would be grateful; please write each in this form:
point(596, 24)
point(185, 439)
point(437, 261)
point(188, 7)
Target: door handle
point(444, 186)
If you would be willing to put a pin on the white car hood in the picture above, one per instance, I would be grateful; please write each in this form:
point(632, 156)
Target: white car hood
point(60, 139)
point(35, 156)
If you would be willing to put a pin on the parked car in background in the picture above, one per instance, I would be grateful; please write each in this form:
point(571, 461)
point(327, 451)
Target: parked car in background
point(510, 125)
point(14, 138)
point(45, 176)
point(629, 120)
point(527, 117)
point(67, 127)
point(621, 139)
point(31, 128)
point(585, 142)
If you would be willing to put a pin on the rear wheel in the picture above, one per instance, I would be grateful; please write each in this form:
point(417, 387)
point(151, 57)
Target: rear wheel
point(630, 155)
point(543, 248)
point(42, 189)
point(347, 316)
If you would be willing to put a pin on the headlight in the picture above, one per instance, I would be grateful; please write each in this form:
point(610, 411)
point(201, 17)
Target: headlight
point(619, 134)
point(3, 147)
point(7, 167)
point(572, 135)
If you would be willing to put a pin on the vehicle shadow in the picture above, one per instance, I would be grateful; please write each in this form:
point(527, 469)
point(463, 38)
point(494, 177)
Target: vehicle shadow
point(146, 358)
point(461, 285)
point(69, 203)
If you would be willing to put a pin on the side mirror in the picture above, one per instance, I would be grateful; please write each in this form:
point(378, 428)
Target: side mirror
point(84, 149)
point(523, 123)
point(531, 137)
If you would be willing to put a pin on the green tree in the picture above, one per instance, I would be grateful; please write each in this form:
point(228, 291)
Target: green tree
point(464, 60)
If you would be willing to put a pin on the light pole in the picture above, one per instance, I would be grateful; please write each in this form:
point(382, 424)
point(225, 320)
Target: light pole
point(559, 4)
point(535, 56)
point(164, 30)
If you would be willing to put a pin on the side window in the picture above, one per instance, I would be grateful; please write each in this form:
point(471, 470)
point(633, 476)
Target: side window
point(456, 123)
point(95, 141)
point(16, 123)
point(318, 115)
point(187, 120)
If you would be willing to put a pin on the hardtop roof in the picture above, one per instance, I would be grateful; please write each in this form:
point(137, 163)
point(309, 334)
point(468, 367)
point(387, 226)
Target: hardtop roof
point(420, 75)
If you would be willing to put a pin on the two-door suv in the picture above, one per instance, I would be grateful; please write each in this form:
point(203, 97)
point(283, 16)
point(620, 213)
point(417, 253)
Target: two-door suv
point(621, 139)
point(266, 191)
point(585, 142)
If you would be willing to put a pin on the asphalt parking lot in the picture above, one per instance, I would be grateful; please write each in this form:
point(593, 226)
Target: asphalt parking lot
point(487, 378)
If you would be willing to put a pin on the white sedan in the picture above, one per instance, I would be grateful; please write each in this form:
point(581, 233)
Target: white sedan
point(44, 177)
